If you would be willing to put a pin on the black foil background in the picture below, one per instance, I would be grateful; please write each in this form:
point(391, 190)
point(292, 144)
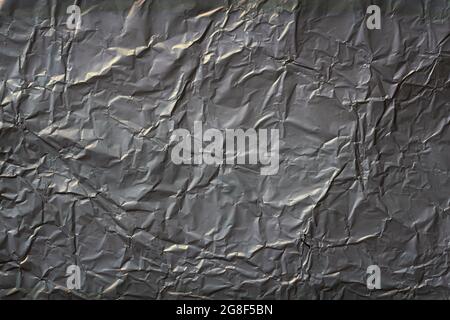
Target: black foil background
point(85, 170)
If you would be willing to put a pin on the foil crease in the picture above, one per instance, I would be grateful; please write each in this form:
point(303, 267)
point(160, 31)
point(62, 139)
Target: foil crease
point(86, 177)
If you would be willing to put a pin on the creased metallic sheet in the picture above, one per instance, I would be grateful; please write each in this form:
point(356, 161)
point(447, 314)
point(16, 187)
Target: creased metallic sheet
point(213, 149)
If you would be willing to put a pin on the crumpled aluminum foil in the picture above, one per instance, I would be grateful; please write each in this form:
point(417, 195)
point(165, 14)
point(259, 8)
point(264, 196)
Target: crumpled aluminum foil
point(86, 177)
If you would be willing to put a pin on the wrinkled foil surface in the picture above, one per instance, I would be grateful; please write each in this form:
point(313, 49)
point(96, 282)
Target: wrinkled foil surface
point(86, 178)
